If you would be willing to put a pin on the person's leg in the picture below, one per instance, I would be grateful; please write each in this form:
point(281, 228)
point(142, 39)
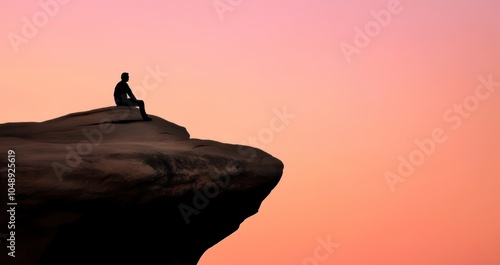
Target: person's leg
point(140, 103)
point(142, 109)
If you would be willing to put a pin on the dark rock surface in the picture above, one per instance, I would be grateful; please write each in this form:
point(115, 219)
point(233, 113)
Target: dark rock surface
point(104, 187)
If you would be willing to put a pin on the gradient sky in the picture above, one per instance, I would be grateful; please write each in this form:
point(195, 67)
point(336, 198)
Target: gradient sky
point(228, 74)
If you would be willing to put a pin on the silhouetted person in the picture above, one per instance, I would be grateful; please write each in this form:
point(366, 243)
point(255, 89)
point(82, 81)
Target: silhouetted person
point(122, 90)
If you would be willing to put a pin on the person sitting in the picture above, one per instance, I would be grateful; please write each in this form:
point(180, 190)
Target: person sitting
point(122, 90)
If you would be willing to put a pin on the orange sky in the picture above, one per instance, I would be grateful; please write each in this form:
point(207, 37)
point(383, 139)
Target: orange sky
point(224, 74)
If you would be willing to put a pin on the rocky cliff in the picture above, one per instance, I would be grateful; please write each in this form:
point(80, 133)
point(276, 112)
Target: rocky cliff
point(105, 187)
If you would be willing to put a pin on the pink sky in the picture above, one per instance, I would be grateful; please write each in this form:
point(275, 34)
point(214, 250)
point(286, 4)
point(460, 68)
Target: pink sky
point(223, 78)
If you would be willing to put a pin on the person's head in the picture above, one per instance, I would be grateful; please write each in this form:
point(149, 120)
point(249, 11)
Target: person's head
point(125, 77)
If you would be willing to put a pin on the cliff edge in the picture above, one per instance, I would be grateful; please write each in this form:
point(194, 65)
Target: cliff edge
point(104, 187)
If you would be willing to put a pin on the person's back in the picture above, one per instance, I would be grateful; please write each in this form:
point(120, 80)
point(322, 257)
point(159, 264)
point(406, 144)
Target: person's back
point(121, 91)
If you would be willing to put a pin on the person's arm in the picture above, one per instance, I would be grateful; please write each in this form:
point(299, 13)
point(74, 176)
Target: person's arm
point(129, 92)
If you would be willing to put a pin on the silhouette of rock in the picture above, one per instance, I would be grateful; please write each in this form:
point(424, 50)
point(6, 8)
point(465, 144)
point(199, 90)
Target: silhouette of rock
point(104, 187)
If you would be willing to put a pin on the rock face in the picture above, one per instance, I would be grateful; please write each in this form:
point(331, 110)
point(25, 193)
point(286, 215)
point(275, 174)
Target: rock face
point(104, 187)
